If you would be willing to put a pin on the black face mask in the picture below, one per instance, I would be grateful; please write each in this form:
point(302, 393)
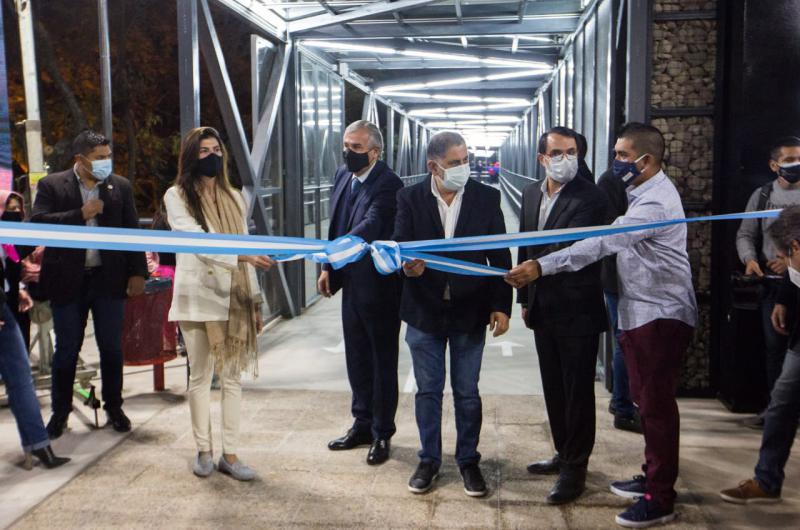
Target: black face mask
point(790, 174)
point(210, 166)
point(355, 161)
point(15, 217)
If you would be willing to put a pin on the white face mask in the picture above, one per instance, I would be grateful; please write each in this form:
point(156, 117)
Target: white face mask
point(563, 168)
point(455, 178)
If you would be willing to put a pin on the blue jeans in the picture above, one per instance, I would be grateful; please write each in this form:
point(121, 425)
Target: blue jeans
point(780, 425)
point(17, 376)
point(621, 394)
point(775, 344)
point(69, 321)
point(428, 357)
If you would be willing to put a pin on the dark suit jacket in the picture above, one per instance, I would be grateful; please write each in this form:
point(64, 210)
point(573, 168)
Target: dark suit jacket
point(58, 201)
point(617, 206)
point(472, 298)
point(568, 303)
point(371, 219)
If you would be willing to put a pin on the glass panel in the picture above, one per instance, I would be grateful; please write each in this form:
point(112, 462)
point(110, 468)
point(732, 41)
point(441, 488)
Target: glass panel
point(579, 75)
point(309, 106)
point(589, 88)
point(603, 115)
point(310, 230)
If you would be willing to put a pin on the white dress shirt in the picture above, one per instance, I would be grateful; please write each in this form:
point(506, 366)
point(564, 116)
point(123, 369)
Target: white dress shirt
point(548, 201)
point(448, 213)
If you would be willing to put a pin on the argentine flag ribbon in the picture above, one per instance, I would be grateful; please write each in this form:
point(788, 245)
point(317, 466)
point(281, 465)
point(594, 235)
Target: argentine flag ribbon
point(387, 256)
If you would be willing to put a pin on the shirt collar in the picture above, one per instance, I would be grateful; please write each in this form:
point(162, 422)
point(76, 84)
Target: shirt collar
point(364, 176)
point(544, 189)
point(438, 195)
point(655, 180)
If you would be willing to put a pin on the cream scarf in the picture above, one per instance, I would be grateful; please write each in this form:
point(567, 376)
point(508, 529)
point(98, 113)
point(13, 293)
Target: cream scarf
point(233, 342)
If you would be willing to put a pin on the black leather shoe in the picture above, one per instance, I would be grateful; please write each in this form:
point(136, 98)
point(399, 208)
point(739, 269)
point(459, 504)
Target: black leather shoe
point(422, 479)
point(632, 424)
point(118, 420)
point(57, 425)
point(474, 485)
point(48, 458)
point(571, 483)
point(379, 452)
point(351, 439)
point(546, 467)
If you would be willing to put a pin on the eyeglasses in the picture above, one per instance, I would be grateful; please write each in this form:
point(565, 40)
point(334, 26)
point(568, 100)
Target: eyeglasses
point(559, 158)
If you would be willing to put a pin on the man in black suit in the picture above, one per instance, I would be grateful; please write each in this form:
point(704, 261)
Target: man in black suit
point(363, 204)
point(77, 281)
point(566, 311)
point(442, 308)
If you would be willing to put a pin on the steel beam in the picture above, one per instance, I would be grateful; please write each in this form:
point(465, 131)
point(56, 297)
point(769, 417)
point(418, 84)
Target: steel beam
point(30, 79)
point(327, 7)
point(368, 10)
point(441, 77)
point(389, 148)
point(565, 22)
point(459, 14)
point(402, 45)
point(188, 65)
point(523, 5)
point(105, 69)
point(262, 138)
point(637, 92)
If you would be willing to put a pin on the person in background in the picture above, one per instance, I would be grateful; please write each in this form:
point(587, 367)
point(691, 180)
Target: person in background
point(216, 298)
point(444, 309)
point(364, 204)
point(12, 209)
point(657, 312)
point(626, 415)
point(77, 281)
point(758, 254)
point(583, 167)
point(783, 412)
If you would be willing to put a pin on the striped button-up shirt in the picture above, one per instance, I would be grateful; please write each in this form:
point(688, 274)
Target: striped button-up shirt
point(655, 278)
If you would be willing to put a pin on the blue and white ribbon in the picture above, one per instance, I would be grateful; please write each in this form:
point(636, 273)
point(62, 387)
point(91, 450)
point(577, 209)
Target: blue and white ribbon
point(388, 256)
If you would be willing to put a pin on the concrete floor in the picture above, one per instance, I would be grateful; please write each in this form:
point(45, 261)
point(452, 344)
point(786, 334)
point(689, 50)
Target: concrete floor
point(301, 401)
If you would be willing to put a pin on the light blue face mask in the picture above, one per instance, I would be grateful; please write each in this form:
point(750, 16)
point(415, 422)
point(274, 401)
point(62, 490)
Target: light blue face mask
point(101, 169)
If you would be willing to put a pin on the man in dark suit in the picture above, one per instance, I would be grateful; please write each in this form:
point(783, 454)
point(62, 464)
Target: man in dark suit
point(566, 311)
point(442, 308)
point(77, 281)
point(363, 204)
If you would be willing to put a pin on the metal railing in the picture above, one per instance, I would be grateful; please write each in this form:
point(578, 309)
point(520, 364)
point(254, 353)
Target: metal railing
point(512, 185)
point(413, 179)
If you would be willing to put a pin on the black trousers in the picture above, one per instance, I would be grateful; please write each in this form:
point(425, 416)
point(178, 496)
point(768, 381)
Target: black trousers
point(567, 365)
point(371, 340)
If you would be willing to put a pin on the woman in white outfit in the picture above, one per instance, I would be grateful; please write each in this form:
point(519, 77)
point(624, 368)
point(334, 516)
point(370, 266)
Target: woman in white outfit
point(216, 297)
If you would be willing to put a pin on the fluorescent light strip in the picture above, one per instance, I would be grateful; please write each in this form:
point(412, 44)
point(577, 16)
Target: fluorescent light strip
point(387, 90)
point(344, 46)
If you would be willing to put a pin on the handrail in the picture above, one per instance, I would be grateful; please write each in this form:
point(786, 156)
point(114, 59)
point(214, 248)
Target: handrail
point(520, 176)
point(408, 177)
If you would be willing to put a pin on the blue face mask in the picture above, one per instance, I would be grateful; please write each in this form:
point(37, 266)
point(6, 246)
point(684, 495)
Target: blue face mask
point(101, 169)
point(627, 171)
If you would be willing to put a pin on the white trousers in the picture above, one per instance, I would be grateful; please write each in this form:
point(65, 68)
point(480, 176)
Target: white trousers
point(201, 366)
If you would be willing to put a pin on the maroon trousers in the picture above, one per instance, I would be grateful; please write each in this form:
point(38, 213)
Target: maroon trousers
point(654, 357)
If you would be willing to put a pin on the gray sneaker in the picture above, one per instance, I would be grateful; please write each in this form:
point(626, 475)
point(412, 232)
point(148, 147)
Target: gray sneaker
point(239, 471)
point(203, 464)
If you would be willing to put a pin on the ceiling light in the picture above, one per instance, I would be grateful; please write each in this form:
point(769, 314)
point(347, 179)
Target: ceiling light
point(462, 80)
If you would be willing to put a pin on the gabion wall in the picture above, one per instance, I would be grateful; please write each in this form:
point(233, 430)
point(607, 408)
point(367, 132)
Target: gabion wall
point(684, 64)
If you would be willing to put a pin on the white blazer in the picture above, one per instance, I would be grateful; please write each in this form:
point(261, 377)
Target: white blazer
point(202, 290)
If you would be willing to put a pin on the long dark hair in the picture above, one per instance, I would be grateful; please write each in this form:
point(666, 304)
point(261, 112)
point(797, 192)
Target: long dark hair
point(188, 179)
